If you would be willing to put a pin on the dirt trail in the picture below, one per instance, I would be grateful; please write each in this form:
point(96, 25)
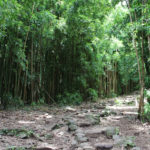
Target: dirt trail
point(105, 125)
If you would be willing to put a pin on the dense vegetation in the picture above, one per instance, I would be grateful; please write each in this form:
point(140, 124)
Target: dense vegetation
point(68, 51)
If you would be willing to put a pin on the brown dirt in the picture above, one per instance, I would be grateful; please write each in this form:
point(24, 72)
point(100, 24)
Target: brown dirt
point(41, 120)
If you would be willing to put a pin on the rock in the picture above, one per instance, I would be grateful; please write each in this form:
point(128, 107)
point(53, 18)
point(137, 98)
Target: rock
point(93, 119)
point(84, 124)
point(111, 103)
point(23, 136)
point(136, 148)
point(71, 124)
point(56, 126)
point(79, 131)
point(127, 142)
point(72, 127)
point(74, 145)
point(74, 142)
point(94, 133)
point(117, 139)
point(84, 111)
point(104, 146)
point(107, 112)
point(81, 115)
point(108, 131)
point(99, 106)
point(70, 109)
point(49, 136)
point(43, 148)
point(69, 121)
point(137, 133)
point(46, 146)
point(86, 146)
point(80, 137)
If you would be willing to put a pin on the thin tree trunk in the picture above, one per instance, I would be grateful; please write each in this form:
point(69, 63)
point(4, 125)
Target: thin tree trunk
point(32, 84)
point(141, 105)
point(141, 75)
point(149, 43)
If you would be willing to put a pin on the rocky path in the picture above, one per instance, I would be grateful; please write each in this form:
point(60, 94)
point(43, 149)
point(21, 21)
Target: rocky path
point(106, 125)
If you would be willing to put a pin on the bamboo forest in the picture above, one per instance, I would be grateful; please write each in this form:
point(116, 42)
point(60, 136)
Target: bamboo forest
point(74, 74)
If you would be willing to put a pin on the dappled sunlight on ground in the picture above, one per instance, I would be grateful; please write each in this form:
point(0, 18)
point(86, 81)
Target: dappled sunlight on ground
point(25, 122)
point(122, 107)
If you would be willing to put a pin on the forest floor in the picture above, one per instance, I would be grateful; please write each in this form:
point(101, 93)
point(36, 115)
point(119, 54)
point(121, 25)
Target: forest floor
point(104, 125)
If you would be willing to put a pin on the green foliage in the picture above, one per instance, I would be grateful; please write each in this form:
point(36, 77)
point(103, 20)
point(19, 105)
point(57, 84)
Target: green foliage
point(70, 98)
point(118, 102)
point(16, 132)
point(146, 115)
point(69, 51)
point(33, 104)
point(147, 94)
point(92, 94)
point(129, 142)
point(9, 101)
point(147, 81)
point(147, 112)
point(16, 148)
point(39, 102)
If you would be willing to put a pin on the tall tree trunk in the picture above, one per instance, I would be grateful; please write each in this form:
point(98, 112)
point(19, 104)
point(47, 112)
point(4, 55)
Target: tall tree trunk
point(141, 105)
point(141, 73)
point(149, 43)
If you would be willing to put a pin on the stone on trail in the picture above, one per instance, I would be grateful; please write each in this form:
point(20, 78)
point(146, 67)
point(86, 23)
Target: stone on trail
point(94, 133)
point(136, 148)
point(124, 141)
point(69, 120)
point(93, 119)
point(99, 106)
point(108, 131)
point(46, 146)
point(74, 143)
point(79, 131)
point(71, 124)
point(86, 146)
point(107, 112)
point(57, 126)
point(129, 142)
point(72, 127)
point(23, 136)
point(81, 115)
point(84, 124)
point(118, 139)
point(70, 109)
point(104, 146)
point(49, 136)
point(80, 137)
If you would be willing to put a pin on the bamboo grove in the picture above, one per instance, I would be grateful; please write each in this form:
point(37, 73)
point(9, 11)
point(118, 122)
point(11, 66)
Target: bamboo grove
point(67, 51)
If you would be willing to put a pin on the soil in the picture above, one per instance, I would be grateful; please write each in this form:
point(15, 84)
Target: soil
point(50, 124)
